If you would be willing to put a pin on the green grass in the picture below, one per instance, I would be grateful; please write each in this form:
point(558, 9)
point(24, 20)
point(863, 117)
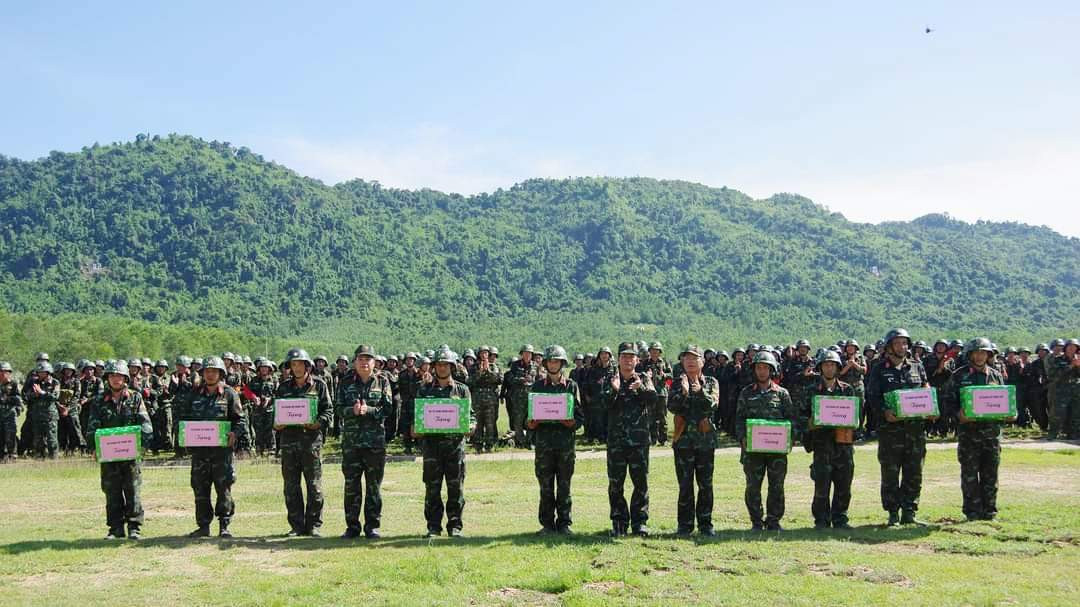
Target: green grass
point(53, 519)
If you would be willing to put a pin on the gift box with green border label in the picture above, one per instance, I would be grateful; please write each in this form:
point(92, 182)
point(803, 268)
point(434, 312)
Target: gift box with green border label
point(768, 436)
point(823, 419)
point(542, 395)
point(926, 398)
point(220, 430)
point(440, 414)
point(988, 402)
point(119, 444)
point(311, 404)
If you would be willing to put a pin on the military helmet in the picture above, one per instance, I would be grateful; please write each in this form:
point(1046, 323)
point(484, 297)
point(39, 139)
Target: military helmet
point(555, 352)
point(469, 353)
point(134, 362)
point(65, 366)
point(603, 349)
point(392, 357)
point(1011, 350)
point(980, 343)
point(412, 355)
point(162, 363)
point(494, 351)
point(526, 348)
point(724, 354)
point(5, 366)
point(1053, 344)
point(43, 366)
point(446, 356)
point(801, 343)
point(215, 362)
point(956, 343)
point(1073, 342)
point(693, 350)
point(228, 356)
point(921, 344)
point(829, 356)
point(198, 361)
point(1023, 350)
point(738, 351)
point(40, 356)
point(342, 358)
point(753, 347)
point(766, 358)
point(364, 350)
point(247, 360)
point(117, 367)
point(1042, 347)
point(322, 358)
point(99, 363)
point(380, 358)
point(263, 362)
point(298, 354)
point(84, 363)
point(834, 349)
point(579, 356)
point(184, 360)
point(656, 346)
point(430, 354)
point(146, 361)
point(895, 334)
point(851, 342)
point(484, 349)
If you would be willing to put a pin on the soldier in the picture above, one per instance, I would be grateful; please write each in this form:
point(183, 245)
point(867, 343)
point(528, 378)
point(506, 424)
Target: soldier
point(554, 441)
point(853, 371)
point(940, 364)
point(628, 396)
point(764, 399)
point(90, 386)
point(833, 449)
point(363, 398)
point(10, 409)
point(213, 400)
point(444, 454)
point(797, 375)
point(264, 386)
point(158, 386)
point(596, 413)
point(180, 387)
point(901, 443)
point(408, 385)
point(26, 432)
point(301, 446)
point(519, 377)
point(42, 408)
point(121, 482)
point(979, 445)
point(69, 429)
point(1035, 386)
point(694, 400)
point(484, 383)
point(659, 371)
point(392, 373)
point(1064, 376)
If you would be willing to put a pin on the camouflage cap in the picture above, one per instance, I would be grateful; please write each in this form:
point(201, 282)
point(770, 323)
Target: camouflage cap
point(364, 350)
point(162, 363)
point(184, 360)
point(628, 347)
point(692, 349)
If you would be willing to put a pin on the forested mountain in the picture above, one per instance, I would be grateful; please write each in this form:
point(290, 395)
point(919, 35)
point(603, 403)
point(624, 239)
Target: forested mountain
point(179, 230)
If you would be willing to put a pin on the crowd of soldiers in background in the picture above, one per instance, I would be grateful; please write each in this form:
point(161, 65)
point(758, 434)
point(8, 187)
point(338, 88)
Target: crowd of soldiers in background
point(56, 397)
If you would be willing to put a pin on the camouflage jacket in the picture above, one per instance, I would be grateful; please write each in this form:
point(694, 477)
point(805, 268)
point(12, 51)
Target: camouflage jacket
point(264, 390)
point(455, 389)
point(116, 410)
point(628, 411)
point(43, 406)
point(659, 370)
point(694, 412)
point(485, 384)
point(773, 402)
point(221, 403)
point(11, 404)
point(553, 435)
point(950, 396)
point(367, 430)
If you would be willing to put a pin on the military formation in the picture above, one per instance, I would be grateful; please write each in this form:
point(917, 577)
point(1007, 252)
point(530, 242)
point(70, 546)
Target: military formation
point(622, 400)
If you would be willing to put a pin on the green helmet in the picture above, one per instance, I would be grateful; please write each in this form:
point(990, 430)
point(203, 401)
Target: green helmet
point(628, 347)
point(134, 362)
point(99, 363)
point(246, 360)
point(656, 346)
point(921, 344)
point(766, 358)
point(1053, 344)
point(554, 352)
point(1012, 350)
point(184, 360)
point(40, 356)
point(1073, 342)
point(692, 349)
point(602, 350)
point(43, 366)
point(229, 356)
point(84, 363)
point(429, 354)
point(262, 361)
point(146, 362)
point(494, 351)
point(215, 362)
point(484, 349)
point(801, 343)
point(895, 334)
point(446, 356)
point(342, 358)
point(829, 356)
point(980, 343)
point(298, 354)
point(724, 354)
point(322, 358)
point(469, 353)
point(162, 363)
point(5, 366)
point(117, 367)
point(526, 348)
point(1023, 350)
point(66, 366)
point(579, 356)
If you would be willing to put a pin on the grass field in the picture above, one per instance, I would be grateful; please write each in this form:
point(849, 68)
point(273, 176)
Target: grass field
point(51, 551)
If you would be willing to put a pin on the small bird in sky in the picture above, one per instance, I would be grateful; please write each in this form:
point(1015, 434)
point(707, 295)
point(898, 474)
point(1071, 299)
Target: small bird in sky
point(928, 30)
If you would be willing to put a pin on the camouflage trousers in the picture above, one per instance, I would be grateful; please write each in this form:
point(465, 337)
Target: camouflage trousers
point(9, 436)
point(444, 460)
point(518, 409)
point(303, 458)
point(658, 421)
point(832, 472)
point(487, 417)
point(979, 458)
point(595, 422)
point(756, 466)
point(69, 433)
point(121, 481)
point(634, 460)
point(163, 428)
point(46, 436)
point(554, 470)
point(262, 421)
point(405, 423)
point(390, 422)
point(26, 436)
point(695, 465)
point(363, 470)
point(212, 467)
point(901, 452)
point(1034, 401)
point(1053, 413)
point(1066, 412)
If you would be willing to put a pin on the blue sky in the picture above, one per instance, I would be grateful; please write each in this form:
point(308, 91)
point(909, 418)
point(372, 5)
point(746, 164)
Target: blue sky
point(849, 103)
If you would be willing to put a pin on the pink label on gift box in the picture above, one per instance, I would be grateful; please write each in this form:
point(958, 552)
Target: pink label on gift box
point(442, 417)
point(292, 411)
point(118, 447)
point(989, 402)
point(836, 412)
point(202, 434)
point(551, 406)
point(917, 403)
point(770, 438)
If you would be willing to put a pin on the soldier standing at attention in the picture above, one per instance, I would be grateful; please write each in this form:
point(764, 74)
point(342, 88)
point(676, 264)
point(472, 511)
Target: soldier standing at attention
point(693, 400)
point(627, 397)
point(520, 376)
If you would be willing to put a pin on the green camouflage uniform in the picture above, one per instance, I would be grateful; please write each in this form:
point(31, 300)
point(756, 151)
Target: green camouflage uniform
point(213, 466)
point(262, 413)
point(301, 454)
point(628, 448)
point(555, 457)
point(121, 481)
point(69, 431)
point(518, 379)
point(181, 389)
point(44, 416)
point(660, 372)
point(694, 443)
point(10, 407)
point(901, 444)
point(163, 411)
point(774, 403)
point(979, 444)
point(408, 386)
point(363, 446)
point(484, 386)
point(1065, 382)
point(834, 464)
point(444, 459)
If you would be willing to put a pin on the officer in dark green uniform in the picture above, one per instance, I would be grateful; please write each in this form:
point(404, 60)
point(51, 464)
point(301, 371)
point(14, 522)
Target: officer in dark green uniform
point(693, 399)
point(627, 396)
point(213, 467)
point(833, 449)
point(554, 443)
point(764, 399)
point(301, 446)
point(444, 454)
point(364, 397)
point(118, 407)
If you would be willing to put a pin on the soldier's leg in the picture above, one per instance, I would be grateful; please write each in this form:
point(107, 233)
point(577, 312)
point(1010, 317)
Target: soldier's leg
point(433, 474)
point(821, 472)
point(63, 433)
point(455, 488)
point(291, 469)
point(968, 455)
point(1052, 412)
point(53, 443)
point(201, 481)
point(890, 455)
point(132, 486)
point(39, 431)
point(1038, 411)
point(311, 459)
point(1074, 416)
point(661, 420)
point(911, 471)
point(491, 428)
point(989, 462)
point(112, 487)
point(374, 466)
point(703, 471)
point(684, 475)
point(26, 436)
point(754, 470)
point(545, 468)
point(352, 467)
point(405, 423)
point(8, 438)
point(390, 422)
point(776, 468)
point(564, 473)
point(843, 471)
point(616, 470)
point(224, 477)
point(639, 477)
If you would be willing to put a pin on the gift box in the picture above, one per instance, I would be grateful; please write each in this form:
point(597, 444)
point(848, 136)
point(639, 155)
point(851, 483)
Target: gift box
point(204, 433)
point(122, 444)
point(441, 416)
point(836, 411)
point(768, 436)
point(916, 403)
point(295, 411)
point(988, 402)
point(551, 407)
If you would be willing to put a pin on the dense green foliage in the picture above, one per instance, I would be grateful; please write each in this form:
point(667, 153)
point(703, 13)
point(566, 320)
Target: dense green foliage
point(178, 230)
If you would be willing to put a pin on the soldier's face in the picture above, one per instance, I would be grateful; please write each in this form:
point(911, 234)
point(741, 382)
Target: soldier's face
point(978, 358)
point(298, 368)
point(803, 351)
point(43, 375)
point(604, 358)
point(364, 365)
point(211, 376)
point(627, 363)
point(5, 377)
point(442, 370)
point(899, 347)
point(320, 365)
point(654, 354)
point(691, 363)
point(739, 357)
point(264, 372)
point(829, 370)
point(117, 382)
point(554, 367)
point(762, 372)
point(1070, 351)
point(526, 357)
point(410, 363)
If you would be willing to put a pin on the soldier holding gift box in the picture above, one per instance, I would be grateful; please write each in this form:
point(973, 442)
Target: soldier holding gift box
point(979, 446)
point(834, 453)
point(764, 399)
point(694, 399)
point(118, 407)
point(901, 443)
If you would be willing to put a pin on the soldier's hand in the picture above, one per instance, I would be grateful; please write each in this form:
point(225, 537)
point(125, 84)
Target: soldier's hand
point(890, 416)
point(38, 390)
point(314, 426)
point(359, 408)
point(279, 427)
point(960, 417)
point(232, 440)
point(426, 377)
point(695, 387)
point(615, 384)
point(533, 424)
point(569, 423)
point(685, 383)
point(636, 385)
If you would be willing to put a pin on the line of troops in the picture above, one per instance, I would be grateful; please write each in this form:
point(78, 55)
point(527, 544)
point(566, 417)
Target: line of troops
point(627, 392)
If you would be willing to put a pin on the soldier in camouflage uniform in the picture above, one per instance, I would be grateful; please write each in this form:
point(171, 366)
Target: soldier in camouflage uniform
point(26, 432)
point(42, 408)
point(180, 387)
point(693, 400)
point(118, 407)
point(979, 445)
point(596, 413)
point(940, 364)
point(834, 454)
point(158, 386)
point(660, 372)
point(301, 447)
point(263, 386)
point(797, 375)
point(408, 386)
point(484, 385)
point(69, 430)
point(1051, 363)
point(363, 398)
point(901, 443)
point(1064, 376)
point(554, 443)
point(391, 371)
point(213, 400)
point(852, 372)
point(444, 454)
point(519, 377)
point(10, 408)
point(90, 387)
point(764, 399)
point(627, 396)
